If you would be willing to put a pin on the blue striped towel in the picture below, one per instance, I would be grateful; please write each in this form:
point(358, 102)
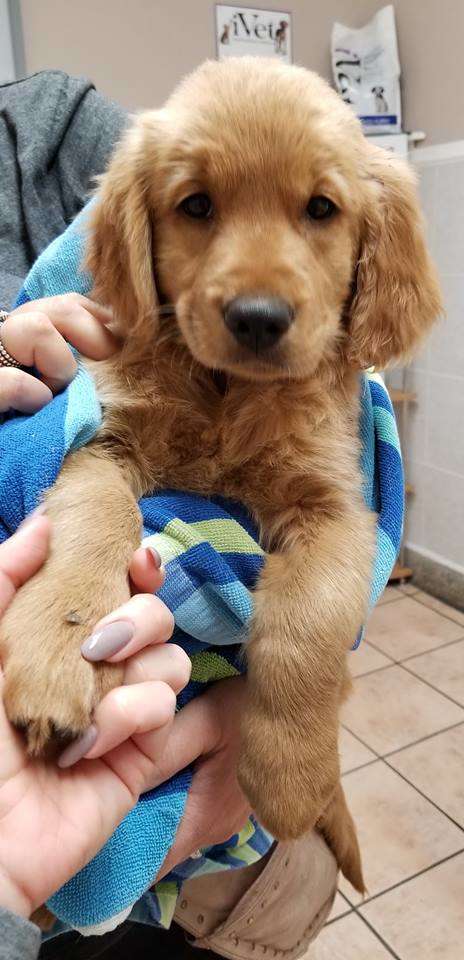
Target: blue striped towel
point(213, 559)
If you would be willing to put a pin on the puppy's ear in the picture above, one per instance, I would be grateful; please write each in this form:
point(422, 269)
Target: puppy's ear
point(120, 243)
point(396, 293)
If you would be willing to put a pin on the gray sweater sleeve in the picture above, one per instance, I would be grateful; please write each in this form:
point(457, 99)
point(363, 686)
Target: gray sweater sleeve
point(56, 134)
point(19, 939)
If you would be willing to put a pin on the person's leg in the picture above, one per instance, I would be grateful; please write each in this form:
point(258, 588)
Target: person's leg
point(280, 903)
point(129, 940)
point(281, 907)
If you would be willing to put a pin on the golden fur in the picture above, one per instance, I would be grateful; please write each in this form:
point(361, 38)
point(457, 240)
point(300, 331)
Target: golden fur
point(186, 406)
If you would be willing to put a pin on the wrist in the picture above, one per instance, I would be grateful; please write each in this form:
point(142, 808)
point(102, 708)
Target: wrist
point(12, 898)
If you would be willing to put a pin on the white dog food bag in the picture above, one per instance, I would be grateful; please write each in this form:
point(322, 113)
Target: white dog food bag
point(366, 71)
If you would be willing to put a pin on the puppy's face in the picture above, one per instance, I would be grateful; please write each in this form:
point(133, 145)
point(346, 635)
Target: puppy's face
point(253, 204)
point(256, 220)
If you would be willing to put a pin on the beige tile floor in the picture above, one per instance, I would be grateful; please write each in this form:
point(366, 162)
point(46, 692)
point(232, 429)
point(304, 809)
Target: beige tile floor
point(402, 755)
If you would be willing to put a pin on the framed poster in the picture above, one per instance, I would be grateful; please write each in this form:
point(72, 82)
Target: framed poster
point(246, 31)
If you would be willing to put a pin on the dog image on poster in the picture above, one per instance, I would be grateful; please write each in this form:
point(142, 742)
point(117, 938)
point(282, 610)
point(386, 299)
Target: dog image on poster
point(245, 31)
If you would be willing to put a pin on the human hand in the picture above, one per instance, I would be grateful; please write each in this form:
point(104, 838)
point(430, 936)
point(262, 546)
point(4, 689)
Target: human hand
point(35, 334)
point(206, 732)
point(53, 819)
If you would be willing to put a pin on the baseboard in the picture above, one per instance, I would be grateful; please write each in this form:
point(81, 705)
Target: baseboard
point(436, 578)
point(438, 153)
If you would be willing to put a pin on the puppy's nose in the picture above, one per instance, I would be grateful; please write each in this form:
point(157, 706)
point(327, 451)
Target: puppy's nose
point(258, 322)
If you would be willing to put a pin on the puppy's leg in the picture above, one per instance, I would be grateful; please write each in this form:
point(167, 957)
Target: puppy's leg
point(50, 690)
point(309, 606)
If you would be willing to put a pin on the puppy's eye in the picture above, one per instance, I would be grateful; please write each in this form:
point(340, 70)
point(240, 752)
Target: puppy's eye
point(320, 208)
point(198, 206)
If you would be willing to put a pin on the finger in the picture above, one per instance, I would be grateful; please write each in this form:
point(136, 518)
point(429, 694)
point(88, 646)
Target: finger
point(143, 620)
point(156, 759)
point(21, 556)
point(84, 326)
point(193, 734)
point(19, 391)
point(167, 662)
point(32, 339)
point(81, 321)
point(146, 572)
point(127, 711)
point(199, 728)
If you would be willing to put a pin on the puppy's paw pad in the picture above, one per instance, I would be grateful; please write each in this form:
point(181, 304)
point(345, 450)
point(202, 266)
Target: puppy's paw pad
point(44, 739)
point(44, 735)
point(49, 716)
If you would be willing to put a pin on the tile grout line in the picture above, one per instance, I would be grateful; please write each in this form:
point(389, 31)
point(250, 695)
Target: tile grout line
point(351, 909)
point(362, 766)
point(401, 883)
point(424, 796)
point(401, 664)
point(386, 603)
point(339, 916)
point(409, 782)
point(443, 646)
point(377, 934)
point(377, 757)
point(384, 666)
point(413, 596)
point(432, 687)
point(439, 614)
point(385, 758)
point(414, 743)
point(390, 753)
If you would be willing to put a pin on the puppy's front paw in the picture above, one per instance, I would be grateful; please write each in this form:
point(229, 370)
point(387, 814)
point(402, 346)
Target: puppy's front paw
point(50, 691)
point(287, 779)
point(54, 704)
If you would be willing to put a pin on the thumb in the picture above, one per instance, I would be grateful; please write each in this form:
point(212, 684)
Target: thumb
point(194, 733)
point(21, 556)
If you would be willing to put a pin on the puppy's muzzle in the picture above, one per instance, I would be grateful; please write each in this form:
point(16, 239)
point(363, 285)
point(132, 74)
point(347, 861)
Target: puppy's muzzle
point(258, 322)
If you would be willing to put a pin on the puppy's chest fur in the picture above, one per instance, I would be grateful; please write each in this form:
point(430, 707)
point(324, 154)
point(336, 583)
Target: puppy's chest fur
point(267, 444)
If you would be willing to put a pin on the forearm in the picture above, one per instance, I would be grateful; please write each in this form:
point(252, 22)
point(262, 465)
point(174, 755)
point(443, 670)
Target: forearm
point(312, 596)
point(19, 938)
point(309, 606)
point(96, 526)
point(12, 899)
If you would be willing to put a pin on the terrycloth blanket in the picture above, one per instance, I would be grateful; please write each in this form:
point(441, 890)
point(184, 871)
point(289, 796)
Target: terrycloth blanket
point(212, 560)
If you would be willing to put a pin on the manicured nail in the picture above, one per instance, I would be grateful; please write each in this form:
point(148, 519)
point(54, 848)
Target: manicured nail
point(108, 640)
point(154, 556)
point(79, 748)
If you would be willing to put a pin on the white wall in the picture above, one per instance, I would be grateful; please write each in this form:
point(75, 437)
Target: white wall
point(136, 50)
point(7, 70)
point(434, 447)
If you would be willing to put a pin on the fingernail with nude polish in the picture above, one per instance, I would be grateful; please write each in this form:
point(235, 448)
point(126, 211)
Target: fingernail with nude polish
point(107, 641)
point(38, 512)
point(154, 556)
point(78, 749)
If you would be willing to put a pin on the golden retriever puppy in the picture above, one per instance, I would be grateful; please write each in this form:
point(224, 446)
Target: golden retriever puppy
point(257, 253)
